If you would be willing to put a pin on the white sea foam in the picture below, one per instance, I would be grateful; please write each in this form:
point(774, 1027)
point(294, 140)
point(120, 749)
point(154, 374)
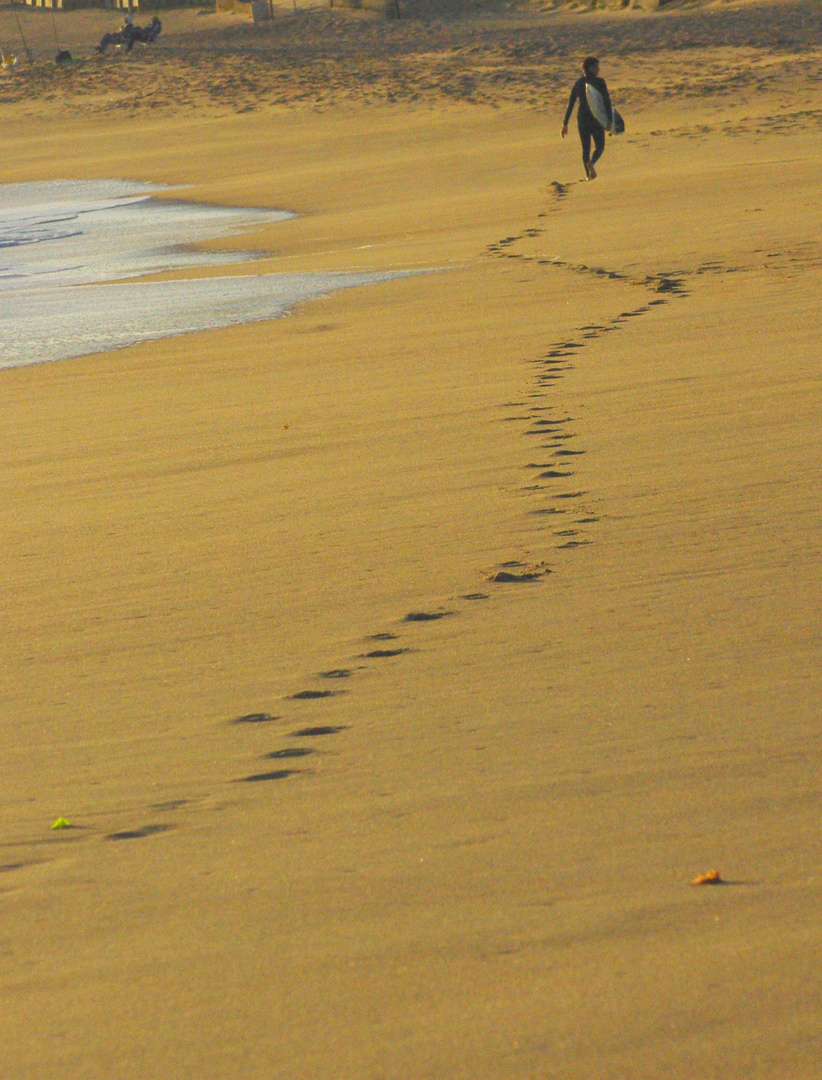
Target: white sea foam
point(65, 247)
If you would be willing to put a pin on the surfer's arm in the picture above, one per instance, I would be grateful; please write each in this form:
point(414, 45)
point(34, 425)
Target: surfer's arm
point(571, 103)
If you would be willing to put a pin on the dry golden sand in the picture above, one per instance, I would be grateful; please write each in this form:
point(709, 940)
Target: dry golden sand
point(484, 871)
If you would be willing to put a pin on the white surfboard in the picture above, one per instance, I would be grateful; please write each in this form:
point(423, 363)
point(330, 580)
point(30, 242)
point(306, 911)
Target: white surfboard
point(596, 103)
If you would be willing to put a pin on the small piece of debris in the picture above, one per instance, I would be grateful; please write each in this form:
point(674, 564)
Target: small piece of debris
point(710, 877)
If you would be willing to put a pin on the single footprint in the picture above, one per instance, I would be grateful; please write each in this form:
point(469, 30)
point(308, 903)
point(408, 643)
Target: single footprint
point(254, 718)
point(311, 732)
point(509, 577)
point(506, 577)
point(311, 695)
point(277, 774)
point(138, 834)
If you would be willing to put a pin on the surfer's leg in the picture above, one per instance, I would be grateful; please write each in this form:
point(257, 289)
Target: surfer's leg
point(599, 145)
point(585, 139)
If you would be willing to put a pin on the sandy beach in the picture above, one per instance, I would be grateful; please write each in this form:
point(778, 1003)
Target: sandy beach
point(399, 662)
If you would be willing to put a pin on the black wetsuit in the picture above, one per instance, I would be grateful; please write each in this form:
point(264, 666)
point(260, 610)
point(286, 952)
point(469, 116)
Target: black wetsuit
point(589, 127)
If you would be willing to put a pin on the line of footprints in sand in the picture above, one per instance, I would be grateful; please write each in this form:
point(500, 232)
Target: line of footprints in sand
point(549, 422)
point(549, 425)
point(544, 422)
point(381, 646)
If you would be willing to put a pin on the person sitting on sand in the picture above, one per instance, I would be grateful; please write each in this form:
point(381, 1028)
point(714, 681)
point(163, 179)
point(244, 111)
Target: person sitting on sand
point(117, 36)
point(589, 127)
point(144, 34)
point(153, 29)
point(129, 33)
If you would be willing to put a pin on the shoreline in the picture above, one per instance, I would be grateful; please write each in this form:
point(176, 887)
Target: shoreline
point(96, 251)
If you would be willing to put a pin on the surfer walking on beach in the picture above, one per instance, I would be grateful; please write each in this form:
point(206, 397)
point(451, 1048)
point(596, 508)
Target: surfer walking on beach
point(590, 129)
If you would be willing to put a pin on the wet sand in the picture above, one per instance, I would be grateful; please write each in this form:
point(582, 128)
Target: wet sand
point(399, 662)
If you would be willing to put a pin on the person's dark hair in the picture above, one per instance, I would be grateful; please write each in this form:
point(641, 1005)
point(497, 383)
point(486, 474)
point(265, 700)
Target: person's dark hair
point(589, 63)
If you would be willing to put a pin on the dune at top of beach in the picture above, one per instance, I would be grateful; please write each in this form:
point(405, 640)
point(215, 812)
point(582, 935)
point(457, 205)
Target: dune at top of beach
point(321, 58)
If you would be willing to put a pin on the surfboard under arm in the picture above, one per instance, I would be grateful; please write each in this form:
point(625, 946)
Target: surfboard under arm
point(596, 103)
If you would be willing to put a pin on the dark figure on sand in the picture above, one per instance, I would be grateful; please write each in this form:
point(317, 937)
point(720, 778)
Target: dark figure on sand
point(129, 33)
point(590, 129)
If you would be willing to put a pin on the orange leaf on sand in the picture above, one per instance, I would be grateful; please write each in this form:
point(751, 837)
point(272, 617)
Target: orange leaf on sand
point(710, 877)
